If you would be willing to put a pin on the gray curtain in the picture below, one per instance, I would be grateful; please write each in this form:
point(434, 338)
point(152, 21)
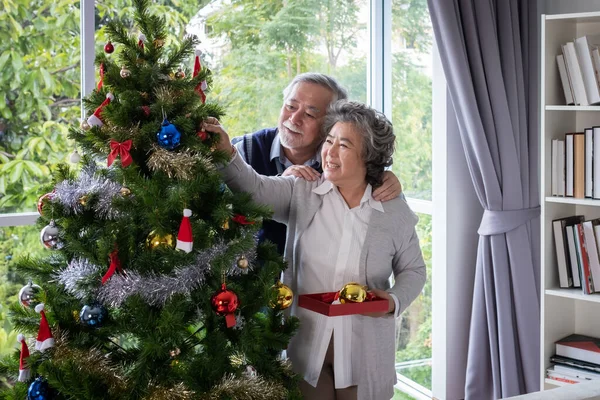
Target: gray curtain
point(489, 55)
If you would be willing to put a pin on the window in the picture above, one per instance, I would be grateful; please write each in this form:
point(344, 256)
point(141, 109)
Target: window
point(380, 51)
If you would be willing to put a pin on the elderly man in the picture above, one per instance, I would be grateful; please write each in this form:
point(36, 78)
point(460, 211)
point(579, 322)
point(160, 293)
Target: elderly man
point(293, 147)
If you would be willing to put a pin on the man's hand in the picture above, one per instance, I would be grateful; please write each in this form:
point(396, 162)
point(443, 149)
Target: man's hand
point(212, 124)
point(389, 189)
point(382, 294)
point(302, 171)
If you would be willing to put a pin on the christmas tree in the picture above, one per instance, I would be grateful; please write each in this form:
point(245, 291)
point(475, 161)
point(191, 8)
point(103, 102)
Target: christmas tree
point(153, 286)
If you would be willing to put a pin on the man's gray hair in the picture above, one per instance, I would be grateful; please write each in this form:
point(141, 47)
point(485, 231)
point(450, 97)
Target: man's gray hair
point(377, 133)
point(326, 81)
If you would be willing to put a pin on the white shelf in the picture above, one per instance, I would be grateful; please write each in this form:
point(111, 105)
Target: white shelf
point(575, 293)
point(572, 200)
point(572, 108)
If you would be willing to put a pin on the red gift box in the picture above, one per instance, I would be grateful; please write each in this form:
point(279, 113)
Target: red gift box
point(321, 303)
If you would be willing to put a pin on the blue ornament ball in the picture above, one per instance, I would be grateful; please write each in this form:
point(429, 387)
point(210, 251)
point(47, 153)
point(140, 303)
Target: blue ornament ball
point(39, 390)
point(93, 315)
point(168, 137)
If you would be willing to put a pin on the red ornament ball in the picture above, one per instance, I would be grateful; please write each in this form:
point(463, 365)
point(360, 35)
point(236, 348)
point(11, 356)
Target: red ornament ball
point(44, 198)
point(224, 301)
point(109, 48)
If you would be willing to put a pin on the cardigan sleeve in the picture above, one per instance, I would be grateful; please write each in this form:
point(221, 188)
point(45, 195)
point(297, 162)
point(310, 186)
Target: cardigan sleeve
point(271, 190)
point(409, 270)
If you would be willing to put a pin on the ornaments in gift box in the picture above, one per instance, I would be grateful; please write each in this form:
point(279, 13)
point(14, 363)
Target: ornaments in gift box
point(155, 240)
point(93, 315)
point(29, 295)
point(49, 237)
point(39, 390)
point(168, 137)
point(352, 292)
point(285, 296)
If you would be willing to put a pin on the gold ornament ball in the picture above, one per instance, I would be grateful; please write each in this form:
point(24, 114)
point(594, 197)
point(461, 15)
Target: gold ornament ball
point(125, 73)
point(154, 240)
point(83, 200)
point(125, 191)
point(84, 125)
point(179, 74)
point(285, 296)
point(242, 262)
point(353, 292)
point(225, 225)
point(158, 43)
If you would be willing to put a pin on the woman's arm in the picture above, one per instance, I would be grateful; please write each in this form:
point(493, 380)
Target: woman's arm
point(272, 190)
point(240, 177)
point(409, 271)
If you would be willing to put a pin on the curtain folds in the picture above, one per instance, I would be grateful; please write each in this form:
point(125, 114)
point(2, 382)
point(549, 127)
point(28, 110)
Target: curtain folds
point(488, 52)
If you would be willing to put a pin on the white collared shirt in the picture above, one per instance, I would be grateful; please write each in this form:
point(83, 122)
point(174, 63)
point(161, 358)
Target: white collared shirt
point(340, 232)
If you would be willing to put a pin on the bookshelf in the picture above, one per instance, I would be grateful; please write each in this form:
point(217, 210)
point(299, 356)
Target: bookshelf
point(563, 311)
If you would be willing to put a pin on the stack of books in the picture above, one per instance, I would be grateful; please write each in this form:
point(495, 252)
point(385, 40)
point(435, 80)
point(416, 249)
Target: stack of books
point(577, 244)
point(577, 360)
point(575, 164)
point(578, 67)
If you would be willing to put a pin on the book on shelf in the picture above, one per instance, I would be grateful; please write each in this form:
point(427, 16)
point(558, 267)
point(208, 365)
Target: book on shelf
point(579, 347)
point(583, 48)
point(589, 151)
point(576, 372)
point(569, 164)
point(571, 362)
point(584, 261)
point(591, 243)
point(563, 259)
point(557, 376)
point(573, 254)
point(596, 163)
point(574, 71)
point(564, 79)
point(558, 167)
point(579, 165)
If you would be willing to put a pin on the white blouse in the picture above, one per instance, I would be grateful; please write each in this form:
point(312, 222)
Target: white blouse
point(339, 233)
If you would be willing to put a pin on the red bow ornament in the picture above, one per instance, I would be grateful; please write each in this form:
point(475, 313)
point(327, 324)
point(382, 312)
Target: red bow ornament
point(241, 219)
point(115, 265)
point(121, 149)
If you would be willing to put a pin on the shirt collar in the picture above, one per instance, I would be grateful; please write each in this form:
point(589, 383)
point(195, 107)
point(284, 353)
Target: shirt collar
point(327, 186)
point(277, 154)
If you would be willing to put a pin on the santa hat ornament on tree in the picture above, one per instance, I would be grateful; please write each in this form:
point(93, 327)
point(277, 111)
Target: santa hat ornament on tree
point(96, 118)
point(24, 371)
point(202, 85)
point(184, 237)
point(44, 338)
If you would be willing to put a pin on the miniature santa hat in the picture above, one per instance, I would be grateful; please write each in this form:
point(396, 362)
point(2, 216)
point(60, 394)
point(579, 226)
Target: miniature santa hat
point(24, 371)
point(197, 68)
point(184, 237)
point(141, 40)
point(44, 338)
point(96, 118)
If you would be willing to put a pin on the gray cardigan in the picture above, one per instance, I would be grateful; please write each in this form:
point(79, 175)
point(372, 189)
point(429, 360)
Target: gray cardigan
point(391, 246)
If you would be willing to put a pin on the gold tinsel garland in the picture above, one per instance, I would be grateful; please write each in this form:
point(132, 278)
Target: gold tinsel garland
point(177, 165)
point(91, 361)
point(177, 392)
point(246, 389)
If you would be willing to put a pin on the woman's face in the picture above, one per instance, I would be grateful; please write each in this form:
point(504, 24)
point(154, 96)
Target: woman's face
point(341, 153)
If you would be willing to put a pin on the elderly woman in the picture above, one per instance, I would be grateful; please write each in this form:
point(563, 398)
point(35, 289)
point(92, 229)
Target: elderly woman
point(337, 233)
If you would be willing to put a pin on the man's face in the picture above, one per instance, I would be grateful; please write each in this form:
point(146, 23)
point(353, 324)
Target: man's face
point(302, 115)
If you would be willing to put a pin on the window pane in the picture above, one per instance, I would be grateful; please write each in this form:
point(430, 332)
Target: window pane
point(255, 49)
point(413, 333)
point(411, 95)
point(39, 80)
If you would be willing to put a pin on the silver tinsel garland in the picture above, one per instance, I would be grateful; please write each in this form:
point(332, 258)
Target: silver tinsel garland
point(70, 193)
point(155, 289)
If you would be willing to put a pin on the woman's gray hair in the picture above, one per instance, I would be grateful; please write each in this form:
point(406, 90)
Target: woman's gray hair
point(328, 82)
point(377, 132)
